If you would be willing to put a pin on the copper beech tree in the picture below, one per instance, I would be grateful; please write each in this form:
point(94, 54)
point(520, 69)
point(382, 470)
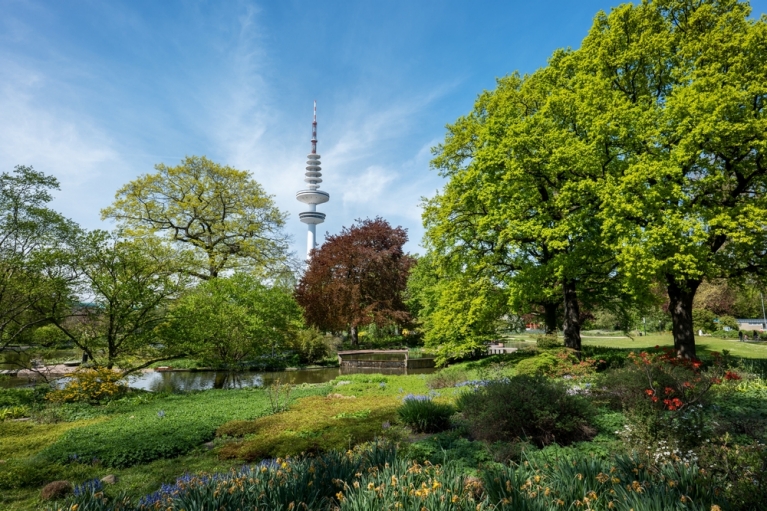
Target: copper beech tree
point(357, 278)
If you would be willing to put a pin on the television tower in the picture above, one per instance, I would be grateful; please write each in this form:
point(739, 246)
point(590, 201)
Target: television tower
point(312, 195)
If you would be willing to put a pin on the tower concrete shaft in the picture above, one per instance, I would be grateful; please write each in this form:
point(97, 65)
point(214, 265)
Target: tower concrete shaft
point(312, 195)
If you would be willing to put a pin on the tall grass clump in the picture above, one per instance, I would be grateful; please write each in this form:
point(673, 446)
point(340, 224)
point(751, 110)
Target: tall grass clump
point(623, 483)
point(374, 477)
point(423, 415)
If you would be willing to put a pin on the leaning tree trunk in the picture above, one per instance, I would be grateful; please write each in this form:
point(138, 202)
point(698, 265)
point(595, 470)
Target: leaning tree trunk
point(572, 322)
point(550, 317)
point(680, 298)
point(353, 335)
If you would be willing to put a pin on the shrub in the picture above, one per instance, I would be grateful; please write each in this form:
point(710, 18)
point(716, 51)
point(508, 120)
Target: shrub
point(27, 473)
point(728, 321)
point(446, 378)
point(703, 319)
point(56, 490)
point(738, 471)
point(13, 412)
point(310, 346)
point(606, 357)
point(538, 365)
point(524, 407)
point(23, 396)
point(557, 364)
point(424, 415)
point(90, 385)
point(664, 396)
point(548, 341)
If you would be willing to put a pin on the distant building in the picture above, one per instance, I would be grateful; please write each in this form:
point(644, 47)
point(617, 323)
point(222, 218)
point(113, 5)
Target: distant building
point(751, 324)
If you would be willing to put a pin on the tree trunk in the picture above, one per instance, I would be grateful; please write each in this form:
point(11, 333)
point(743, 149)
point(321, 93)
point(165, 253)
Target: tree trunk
point(353, 335)
point(550, 317)
point(220, 379)
point(572, 322)
point(680, 298)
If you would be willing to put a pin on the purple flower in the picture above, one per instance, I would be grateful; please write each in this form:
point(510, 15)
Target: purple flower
point(91, 486)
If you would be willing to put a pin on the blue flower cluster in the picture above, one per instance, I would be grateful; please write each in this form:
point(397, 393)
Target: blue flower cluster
point(416, 397)
point(167, 492)
point(92, 486)
point(473, 383)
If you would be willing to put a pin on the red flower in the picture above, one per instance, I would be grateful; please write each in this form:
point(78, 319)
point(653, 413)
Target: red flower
point(729, 375)
point(673, 404)
point(717, 380)
point(654, 399)
point(668, 390)
point(649, 392)
point(687, 385)
point(697, 364)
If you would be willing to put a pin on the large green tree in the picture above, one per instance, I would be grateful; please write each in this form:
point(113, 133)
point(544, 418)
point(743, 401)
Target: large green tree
point(34, 284)
point(233, 319)
point(682, 86)
point(124, 288)
point(520, 209)
point(218, 218)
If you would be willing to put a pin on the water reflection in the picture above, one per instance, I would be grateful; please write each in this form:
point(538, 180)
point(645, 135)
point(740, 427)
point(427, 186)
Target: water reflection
point(183, 381)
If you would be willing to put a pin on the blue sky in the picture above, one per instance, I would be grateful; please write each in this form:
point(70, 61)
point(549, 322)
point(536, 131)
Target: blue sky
point(97, 93)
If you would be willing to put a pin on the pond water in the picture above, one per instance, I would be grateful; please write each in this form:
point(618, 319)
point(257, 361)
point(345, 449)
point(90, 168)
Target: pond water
point(182, 381)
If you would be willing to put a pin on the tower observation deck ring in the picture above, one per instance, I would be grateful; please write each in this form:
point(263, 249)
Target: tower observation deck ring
point(312, 195)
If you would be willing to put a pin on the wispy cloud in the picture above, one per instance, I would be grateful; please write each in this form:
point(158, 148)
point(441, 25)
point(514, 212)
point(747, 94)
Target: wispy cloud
point(55, 140)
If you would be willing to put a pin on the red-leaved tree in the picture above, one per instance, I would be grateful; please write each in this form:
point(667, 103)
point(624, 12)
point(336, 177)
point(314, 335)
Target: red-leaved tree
point(357, 278)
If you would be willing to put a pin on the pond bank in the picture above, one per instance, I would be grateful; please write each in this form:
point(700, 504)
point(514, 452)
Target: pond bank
point(183, 380)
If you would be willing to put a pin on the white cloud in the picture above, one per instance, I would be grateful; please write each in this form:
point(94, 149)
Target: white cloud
point(370, 186)
point(56, 141)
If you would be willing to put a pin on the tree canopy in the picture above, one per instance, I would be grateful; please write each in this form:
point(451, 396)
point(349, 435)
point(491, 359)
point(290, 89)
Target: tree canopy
point(356, 278)
point(234, 319)
point(218, 218)
point(635, 160)
point(33, 240)
point(686, 87)
point(120, 297)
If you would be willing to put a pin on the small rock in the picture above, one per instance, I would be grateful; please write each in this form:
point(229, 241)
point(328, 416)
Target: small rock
point(56, 490)
point(209, 445)
point(110, 479)
point(343, 382)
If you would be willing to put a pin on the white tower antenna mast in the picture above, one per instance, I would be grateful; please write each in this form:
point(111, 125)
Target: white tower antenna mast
point(312, 195)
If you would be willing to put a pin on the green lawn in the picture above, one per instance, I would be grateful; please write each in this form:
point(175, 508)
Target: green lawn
point(736, 348)
point(704, 344)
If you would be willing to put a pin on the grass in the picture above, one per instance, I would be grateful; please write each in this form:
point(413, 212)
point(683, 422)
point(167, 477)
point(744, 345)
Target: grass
point(703, 344)
point(320, 418)
point(354, 411)
point(122, 433)
point(161, 428)
point(130, 431)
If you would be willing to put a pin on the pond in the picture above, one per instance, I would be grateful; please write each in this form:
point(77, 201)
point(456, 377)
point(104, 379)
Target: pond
point(182, 381)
